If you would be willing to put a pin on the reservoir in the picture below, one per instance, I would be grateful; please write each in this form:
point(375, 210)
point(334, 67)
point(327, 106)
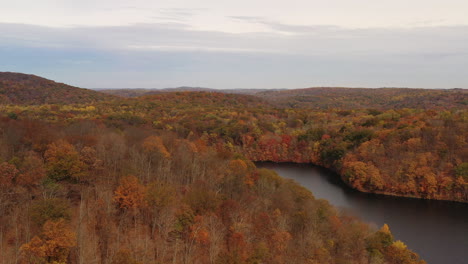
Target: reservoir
point(436, 230)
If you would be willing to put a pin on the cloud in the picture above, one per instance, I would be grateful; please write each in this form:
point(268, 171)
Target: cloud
point(254, 19)
point(312, 40)
point(286, 28)
point(173, 54)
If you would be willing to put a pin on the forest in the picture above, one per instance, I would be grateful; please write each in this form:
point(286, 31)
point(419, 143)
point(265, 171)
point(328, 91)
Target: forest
point(170, 178)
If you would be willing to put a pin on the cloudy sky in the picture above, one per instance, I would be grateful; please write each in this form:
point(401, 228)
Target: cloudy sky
point(238, 44)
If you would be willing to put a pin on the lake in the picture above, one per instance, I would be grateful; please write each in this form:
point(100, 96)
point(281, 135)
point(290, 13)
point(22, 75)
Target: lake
point(436, 230)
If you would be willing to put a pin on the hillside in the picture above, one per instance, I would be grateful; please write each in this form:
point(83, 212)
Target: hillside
point(86, 192)
point(331, 97)
point(361, 98)
point(137, 92)
point(19, 88)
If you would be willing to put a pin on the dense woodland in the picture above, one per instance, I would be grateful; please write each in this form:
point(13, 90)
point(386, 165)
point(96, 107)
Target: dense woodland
point(325, 98)
point(30, 89)
point(169, 178)
point(361, 98)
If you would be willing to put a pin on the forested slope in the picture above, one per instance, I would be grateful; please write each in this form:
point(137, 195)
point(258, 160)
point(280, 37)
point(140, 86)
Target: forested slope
point(19, 88)
point(81, 191)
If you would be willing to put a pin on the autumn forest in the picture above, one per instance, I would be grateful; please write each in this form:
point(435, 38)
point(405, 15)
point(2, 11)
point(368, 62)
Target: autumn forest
point(169, 177)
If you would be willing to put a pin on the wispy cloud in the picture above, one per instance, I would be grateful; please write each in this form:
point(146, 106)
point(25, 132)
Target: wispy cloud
point(176, 54)
point(312, 40)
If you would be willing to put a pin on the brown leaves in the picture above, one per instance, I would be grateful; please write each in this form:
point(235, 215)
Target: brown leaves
point(7, 174)
point(32, 170)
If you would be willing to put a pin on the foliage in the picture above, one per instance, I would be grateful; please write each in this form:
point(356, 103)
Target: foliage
point(193, 192)
point(30, 89)
point(53, 245)
point(63, 162)
point(462, 170)
point(50, 209)
point(130, 194)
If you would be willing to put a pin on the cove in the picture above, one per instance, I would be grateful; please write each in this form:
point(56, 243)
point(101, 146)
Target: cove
point(436, 230)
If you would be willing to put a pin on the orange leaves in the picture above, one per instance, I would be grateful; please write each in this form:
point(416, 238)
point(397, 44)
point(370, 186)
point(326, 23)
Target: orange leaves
point(155, 144)
point(198, 232)
point(130, 194)
point(53, 244)
point(238, 168)
point(250, 179)
point(238, 165)
point(280, 240)
point(203, 237)
point(58, 235)
point(35, 248)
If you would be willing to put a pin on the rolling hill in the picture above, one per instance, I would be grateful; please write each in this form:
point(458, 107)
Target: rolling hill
point(19, 88)
point(361, 98)
point(137, 92)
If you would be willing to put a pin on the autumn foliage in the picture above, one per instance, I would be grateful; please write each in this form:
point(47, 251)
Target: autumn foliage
point(169, 178)
point(52, 245)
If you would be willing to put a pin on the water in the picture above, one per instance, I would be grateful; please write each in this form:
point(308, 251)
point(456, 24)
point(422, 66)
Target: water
point(436, 230)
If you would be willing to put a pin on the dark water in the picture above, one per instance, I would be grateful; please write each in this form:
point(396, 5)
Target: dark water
point(436, 230)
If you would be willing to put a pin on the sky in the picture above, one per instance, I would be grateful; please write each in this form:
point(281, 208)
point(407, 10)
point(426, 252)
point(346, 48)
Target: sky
point(238, 44)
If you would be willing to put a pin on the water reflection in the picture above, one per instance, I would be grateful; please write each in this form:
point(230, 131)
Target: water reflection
point(436, 230)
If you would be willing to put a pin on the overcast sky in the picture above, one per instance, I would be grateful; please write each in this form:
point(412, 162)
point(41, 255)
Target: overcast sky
point(238, 44)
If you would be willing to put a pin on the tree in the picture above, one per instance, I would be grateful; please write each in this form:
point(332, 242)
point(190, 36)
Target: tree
point(380, 240)
point(89, 157)
point(159, 196)
point(32, 170)
point(154, 144)
point(397, 252)
point(462, 170)
point(53, 245)
point(7, 173)
point(130, 194)
point(63, 162)
point(50, 209)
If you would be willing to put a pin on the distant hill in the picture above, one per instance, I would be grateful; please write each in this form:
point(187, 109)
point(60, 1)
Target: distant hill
point(203, 100)
point(137, 92)
point(19, 88)
point(358, 98)
point(331, 97)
